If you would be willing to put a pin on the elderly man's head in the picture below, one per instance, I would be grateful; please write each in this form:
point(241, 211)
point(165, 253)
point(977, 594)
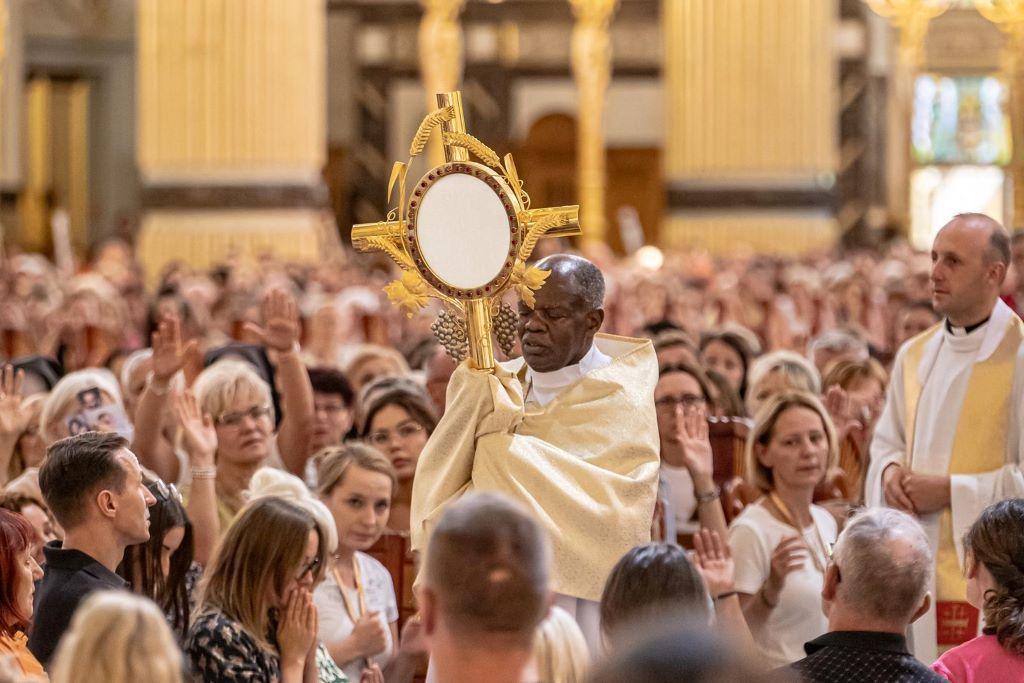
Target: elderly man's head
point(559, 330)
point(970, 258)
point(879, 576)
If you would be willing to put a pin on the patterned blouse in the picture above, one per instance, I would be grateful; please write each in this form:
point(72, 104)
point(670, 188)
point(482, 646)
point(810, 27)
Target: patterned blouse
point(219, 649)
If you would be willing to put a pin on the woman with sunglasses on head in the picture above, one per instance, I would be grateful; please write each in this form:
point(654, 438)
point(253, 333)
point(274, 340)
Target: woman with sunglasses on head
point(357, 604)
point(256, 620)
point(163, 568)
point(396, 419)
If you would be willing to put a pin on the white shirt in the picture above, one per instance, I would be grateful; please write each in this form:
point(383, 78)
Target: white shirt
point(335, 623)
point(544, 386)
point(797, 618)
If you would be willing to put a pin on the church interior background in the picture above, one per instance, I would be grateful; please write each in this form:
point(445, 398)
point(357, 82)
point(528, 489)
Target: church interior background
point(204, 127)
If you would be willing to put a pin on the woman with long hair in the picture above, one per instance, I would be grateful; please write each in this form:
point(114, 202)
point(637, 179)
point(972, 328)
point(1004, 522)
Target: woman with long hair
point(117, 637)
point(163, 568)
point(994, 547)
point(396, 418)
point(356, 601)
point(781, 544)
point(256, 620)
point(18, 574)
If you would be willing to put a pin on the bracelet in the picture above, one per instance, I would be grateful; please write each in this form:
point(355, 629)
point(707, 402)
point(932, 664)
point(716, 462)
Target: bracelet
point(764, 599)
point(708, 497)
point(152, 385)
point(728, 594)
point(204, 472)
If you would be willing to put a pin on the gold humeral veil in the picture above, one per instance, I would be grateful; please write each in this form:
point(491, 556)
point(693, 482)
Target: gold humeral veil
point(585, 465)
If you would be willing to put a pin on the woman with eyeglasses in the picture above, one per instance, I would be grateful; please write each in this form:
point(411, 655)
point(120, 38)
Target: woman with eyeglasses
point(235, 431)
point(682, 398)
point(396, 419)
point(256, 620)
point(357, 603)
point(782, 543)
point(163, 568)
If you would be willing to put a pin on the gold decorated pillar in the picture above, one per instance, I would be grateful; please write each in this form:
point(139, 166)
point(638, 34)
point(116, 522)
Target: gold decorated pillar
point(441, 57)
point(231, 137)
point(911, 19)
point(11, 93)
point(751, 125)
point(592, 65)
point(1009, 16)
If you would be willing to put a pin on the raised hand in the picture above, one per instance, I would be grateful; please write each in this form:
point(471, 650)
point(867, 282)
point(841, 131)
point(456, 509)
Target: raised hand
point(837, 403)
point(198, 433)
point(168, 353)
point(692, 436)
point(714, 562)
point(281, 329)
point(13, 417)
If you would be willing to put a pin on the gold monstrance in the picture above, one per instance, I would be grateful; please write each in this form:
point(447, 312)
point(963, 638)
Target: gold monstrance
point(464, 237)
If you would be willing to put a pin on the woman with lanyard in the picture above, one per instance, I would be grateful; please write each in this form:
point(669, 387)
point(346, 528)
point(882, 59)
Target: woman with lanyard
point(781, 545)
point(356, 601)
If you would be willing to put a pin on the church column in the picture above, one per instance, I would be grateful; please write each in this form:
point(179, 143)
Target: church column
point(231, 136)
point(592, 65)
point(911, 18)
point(752, 131)
point(441, 57)
point(11, 103)
point(1009, 16)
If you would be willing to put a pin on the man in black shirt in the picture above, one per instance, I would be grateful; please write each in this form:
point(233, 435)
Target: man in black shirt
point(93, 485)
point(875, 587)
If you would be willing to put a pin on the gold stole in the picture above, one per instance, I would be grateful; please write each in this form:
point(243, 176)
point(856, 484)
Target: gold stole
point(978, 446)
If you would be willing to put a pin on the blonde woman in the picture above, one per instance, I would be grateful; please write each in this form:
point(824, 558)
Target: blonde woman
point(777, 372)
point(560, 651)
point(782, 543)
point(256, 620)
point(357, 603)
point(117, 637)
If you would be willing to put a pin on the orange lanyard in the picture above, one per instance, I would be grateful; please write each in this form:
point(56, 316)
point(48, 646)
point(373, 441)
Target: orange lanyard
point(820, 537)
point(354, 611)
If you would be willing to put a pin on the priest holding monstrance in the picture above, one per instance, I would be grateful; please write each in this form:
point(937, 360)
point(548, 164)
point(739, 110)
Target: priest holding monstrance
point(568, 430)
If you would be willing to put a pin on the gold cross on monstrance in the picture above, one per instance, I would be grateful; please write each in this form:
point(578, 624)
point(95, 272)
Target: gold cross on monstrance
point(464, 237)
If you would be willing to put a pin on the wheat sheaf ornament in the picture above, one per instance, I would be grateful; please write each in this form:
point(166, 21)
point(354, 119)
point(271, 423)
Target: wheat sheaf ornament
point(463, 234)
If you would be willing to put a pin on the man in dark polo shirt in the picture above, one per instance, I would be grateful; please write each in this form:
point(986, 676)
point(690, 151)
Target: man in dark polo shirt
point(93, 485)
point(875, 587)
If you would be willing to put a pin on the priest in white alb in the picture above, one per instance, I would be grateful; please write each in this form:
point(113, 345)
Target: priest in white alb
point(948, 443)
point(568, 431)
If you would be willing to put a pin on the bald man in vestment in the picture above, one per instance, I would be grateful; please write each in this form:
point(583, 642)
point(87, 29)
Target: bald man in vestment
point(948, 443)
point(569, 431)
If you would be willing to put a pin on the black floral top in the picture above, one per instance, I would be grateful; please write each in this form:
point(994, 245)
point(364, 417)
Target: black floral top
point(219, 649)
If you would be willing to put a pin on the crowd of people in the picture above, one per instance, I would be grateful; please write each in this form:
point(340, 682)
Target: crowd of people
point(194, 477)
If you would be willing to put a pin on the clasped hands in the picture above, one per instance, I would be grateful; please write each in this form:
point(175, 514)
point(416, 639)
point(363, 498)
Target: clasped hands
point(918, 494)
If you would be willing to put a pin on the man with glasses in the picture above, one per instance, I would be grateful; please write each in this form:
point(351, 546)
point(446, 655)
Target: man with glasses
point(568, 431)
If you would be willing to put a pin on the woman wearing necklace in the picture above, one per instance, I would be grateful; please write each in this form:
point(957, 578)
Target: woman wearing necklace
point(781, 544)
point(356, 601)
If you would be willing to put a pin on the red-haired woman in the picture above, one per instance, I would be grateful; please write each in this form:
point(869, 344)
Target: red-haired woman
point(18, 573)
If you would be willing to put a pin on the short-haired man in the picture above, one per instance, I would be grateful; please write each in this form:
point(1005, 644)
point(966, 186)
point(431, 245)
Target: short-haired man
point(485, 589)
point(93, 485)
point(875, 587)
point(948, 443)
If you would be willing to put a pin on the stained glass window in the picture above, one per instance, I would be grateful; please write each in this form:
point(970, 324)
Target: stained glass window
point(961, 120)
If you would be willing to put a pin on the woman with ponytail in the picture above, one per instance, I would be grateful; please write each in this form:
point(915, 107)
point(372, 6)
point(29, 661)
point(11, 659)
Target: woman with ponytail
point(994, 548)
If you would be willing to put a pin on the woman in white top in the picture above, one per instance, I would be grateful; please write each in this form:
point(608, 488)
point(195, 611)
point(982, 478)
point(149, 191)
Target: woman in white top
point(781, 544)
point(356, 600)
